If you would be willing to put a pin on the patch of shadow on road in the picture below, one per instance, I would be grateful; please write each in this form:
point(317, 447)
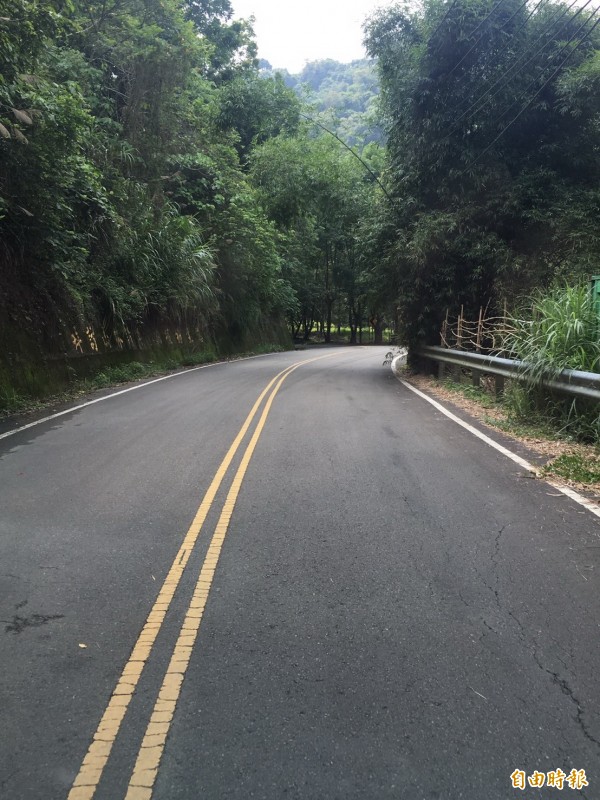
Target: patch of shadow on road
point(389, 432)
point(18, 624)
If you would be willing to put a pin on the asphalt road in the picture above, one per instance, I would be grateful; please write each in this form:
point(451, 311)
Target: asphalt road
point(374, 604)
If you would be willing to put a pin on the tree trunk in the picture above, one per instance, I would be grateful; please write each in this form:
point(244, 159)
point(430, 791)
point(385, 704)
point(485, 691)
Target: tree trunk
point(329, 305)
point(308, 326)
point(352, 322)
point(359, 322)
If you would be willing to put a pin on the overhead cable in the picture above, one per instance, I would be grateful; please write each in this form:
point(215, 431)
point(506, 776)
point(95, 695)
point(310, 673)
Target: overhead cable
point(444, 18)
point(530, 101)
point(518, 11)
point(354, 153)
point(559, 53)
point(477, 105)
point(533, 11)
point(474, 45)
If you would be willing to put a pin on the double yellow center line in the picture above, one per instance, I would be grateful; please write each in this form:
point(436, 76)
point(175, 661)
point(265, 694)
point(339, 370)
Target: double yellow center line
point(152, 747)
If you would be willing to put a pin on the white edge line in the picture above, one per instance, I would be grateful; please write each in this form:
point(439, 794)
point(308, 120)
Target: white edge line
point(570, 493)
point(124, 391)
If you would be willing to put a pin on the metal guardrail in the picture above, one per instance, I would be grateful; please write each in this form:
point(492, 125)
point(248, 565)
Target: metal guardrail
point(570, 381)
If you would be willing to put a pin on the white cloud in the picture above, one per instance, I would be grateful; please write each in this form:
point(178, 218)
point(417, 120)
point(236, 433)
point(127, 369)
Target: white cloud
point(289, 34)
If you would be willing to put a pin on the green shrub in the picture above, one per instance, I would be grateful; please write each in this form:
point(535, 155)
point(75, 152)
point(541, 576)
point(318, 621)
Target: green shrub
point(556, 330)
point(11, 401)
point(121, 373)
point(199, 358)
point(268, 348)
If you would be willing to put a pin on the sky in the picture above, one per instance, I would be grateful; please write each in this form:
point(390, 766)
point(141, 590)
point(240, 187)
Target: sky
point(290, 32)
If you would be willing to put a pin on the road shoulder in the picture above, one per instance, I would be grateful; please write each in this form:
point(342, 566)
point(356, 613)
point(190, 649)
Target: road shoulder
point(537, 450)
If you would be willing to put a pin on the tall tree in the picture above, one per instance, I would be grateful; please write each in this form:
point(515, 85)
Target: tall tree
point(232, 42)
point(122, 198)
point(489, 143)
point(319, 195)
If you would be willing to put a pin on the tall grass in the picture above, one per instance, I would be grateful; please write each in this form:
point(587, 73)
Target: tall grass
point(556, 330)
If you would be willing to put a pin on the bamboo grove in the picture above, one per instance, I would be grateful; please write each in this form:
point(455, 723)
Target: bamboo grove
point(493, 117)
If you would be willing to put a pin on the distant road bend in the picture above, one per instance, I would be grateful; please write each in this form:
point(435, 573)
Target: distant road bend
point(290, 577)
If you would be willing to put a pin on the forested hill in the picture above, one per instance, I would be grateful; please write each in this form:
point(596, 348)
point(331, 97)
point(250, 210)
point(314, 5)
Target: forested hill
point(348, 92)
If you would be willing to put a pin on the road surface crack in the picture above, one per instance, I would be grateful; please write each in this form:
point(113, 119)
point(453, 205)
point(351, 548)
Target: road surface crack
point(519, 624)
point(18, 624)
point(468, 605)
point(568, 692)
point(497, 546)
point(8, 778)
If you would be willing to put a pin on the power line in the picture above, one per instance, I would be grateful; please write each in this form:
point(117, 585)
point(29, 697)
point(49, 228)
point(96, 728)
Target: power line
point(510, 69)
point(533, 11)
point(477, 105)
point(530, 101)
point(444, 18)
point(474, 45)
point(559, 53)
point(518, 11)
point(354, 153)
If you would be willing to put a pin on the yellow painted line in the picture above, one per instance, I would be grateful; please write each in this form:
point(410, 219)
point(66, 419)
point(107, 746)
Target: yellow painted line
point(88, 778)
point(149, 756)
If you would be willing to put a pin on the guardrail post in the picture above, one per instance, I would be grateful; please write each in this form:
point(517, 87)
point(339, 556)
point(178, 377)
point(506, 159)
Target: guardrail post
point(441, 370)
point(499, 386)
point(476, 378)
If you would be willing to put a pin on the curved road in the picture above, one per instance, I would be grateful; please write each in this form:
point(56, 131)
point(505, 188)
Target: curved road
point(334, 592)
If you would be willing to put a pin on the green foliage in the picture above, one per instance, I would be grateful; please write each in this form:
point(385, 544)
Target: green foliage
point(196, 359)
point(531, 406)
point(231, 43)
point(258, 109)
point(160, 263)
point(556, 330)
point(471, 393)
point(122, 373)
point(318, 195)
point(123, 199)
point(494, 162)
point(268, 348)
point(150, 175)
point(346, 93)
point(575, 467)
point(12, 402)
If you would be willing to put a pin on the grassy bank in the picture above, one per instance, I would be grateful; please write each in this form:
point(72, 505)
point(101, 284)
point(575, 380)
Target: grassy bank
point(14, 402)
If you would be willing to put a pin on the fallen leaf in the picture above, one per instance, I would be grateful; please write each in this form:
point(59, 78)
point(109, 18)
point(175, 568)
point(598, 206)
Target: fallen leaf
point(4, 132)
